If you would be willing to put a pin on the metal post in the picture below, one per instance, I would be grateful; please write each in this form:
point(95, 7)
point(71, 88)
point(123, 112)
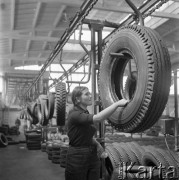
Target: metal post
point(94, 27)
point(101, 125)
point(93, 60)
point(40, 85)
point(176, 111)
point(45, 86)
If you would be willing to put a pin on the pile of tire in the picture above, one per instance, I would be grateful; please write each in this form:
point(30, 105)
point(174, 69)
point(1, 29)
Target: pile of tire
point(122, 155)
point(14, 130)
point(3, 140)
point(63, 155)
point(49, 149)
point(157, 157)
point(43, 147)
point(4, 129)
point(56, 147)
point(33, 140)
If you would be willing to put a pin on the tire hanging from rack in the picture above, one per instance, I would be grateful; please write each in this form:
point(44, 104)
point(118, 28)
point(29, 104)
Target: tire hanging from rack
point(60, 103)
point(149, 57)
point(50, 104)
point(41, 111)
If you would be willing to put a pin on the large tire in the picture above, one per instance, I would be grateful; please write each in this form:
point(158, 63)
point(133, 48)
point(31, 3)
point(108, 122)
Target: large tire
point(44, 109)
point(139, 150)
point(146, 49)
point(60, 103)
point(31, 108)
point(153, 159)
point(113, 160)
point(51, 104)
point(121, 153)
point(3, 140)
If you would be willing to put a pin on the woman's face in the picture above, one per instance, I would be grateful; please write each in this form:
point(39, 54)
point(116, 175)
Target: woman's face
point(85, 98)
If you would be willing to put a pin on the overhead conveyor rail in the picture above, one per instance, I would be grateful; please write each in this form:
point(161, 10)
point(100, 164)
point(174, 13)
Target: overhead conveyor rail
point(146, 10)
point(84, 10)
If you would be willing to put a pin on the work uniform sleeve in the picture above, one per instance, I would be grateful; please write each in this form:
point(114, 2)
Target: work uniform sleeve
point(81, 118)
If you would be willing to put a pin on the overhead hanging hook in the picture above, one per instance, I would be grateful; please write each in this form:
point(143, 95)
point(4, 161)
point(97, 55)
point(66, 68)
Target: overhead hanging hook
point(90, 63)
point(60, 62)
point(84, 71)
point(137, 12)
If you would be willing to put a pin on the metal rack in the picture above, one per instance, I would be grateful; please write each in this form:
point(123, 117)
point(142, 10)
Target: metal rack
point(176, 136)
point(145, 10)
point(96, 49)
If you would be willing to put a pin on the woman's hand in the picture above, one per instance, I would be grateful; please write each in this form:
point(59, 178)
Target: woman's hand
point(122, 103)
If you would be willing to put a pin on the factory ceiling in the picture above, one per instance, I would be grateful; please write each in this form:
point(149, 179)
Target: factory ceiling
point(30, 30)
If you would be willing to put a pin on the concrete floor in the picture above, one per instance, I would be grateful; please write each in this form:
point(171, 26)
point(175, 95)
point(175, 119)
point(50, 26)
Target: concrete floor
point(19, 163)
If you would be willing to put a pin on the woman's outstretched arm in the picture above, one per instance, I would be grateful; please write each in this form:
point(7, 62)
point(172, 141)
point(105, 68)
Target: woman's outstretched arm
point(104, 114)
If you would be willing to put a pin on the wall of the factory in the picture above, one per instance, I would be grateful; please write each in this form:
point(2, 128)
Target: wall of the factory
point(10, 116)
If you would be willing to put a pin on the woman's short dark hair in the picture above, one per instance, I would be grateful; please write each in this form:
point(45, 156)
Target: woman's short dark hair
point(77, 92)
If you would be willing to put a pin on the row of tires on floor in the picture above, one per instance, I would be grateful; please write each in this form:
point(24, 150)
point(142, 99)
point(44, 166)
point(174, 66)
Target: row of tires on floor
point(119, 155)
point(56, 151)
point(144, 161)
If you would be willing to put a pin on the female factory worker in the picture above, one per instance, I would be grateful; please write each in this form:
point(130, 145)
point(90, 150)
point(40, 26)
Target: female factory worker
point(82, 162)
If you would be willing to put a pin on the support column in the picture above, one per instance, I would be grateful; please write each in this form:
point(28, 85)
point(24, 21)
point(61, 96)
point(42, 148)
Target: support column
point(96, 59)
point(4, 88)
point(45, 86)
point(40, 85)
point(176, 110)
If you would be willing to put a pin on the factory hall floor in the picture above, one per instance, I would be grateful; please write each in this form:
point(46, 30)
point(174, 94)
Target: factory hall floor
point(19, 163)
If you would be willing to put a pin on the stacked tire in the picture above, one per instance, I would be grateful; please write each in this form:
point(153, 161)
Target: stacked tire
point(43, 147)
point(56, 147)
point(63, 155)
point(49, 149)
point(33, 140)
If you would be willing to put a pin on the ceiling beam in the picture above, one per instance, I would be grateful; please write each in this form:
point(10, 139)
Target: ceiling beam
point(39, 38)
point(128, 10)
point(74, 3)
point(37, 12)
point(55, 23)
point(165, 15)
point(170, 31)
point(34, 23)
point(19, 55)
point(33, 30)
